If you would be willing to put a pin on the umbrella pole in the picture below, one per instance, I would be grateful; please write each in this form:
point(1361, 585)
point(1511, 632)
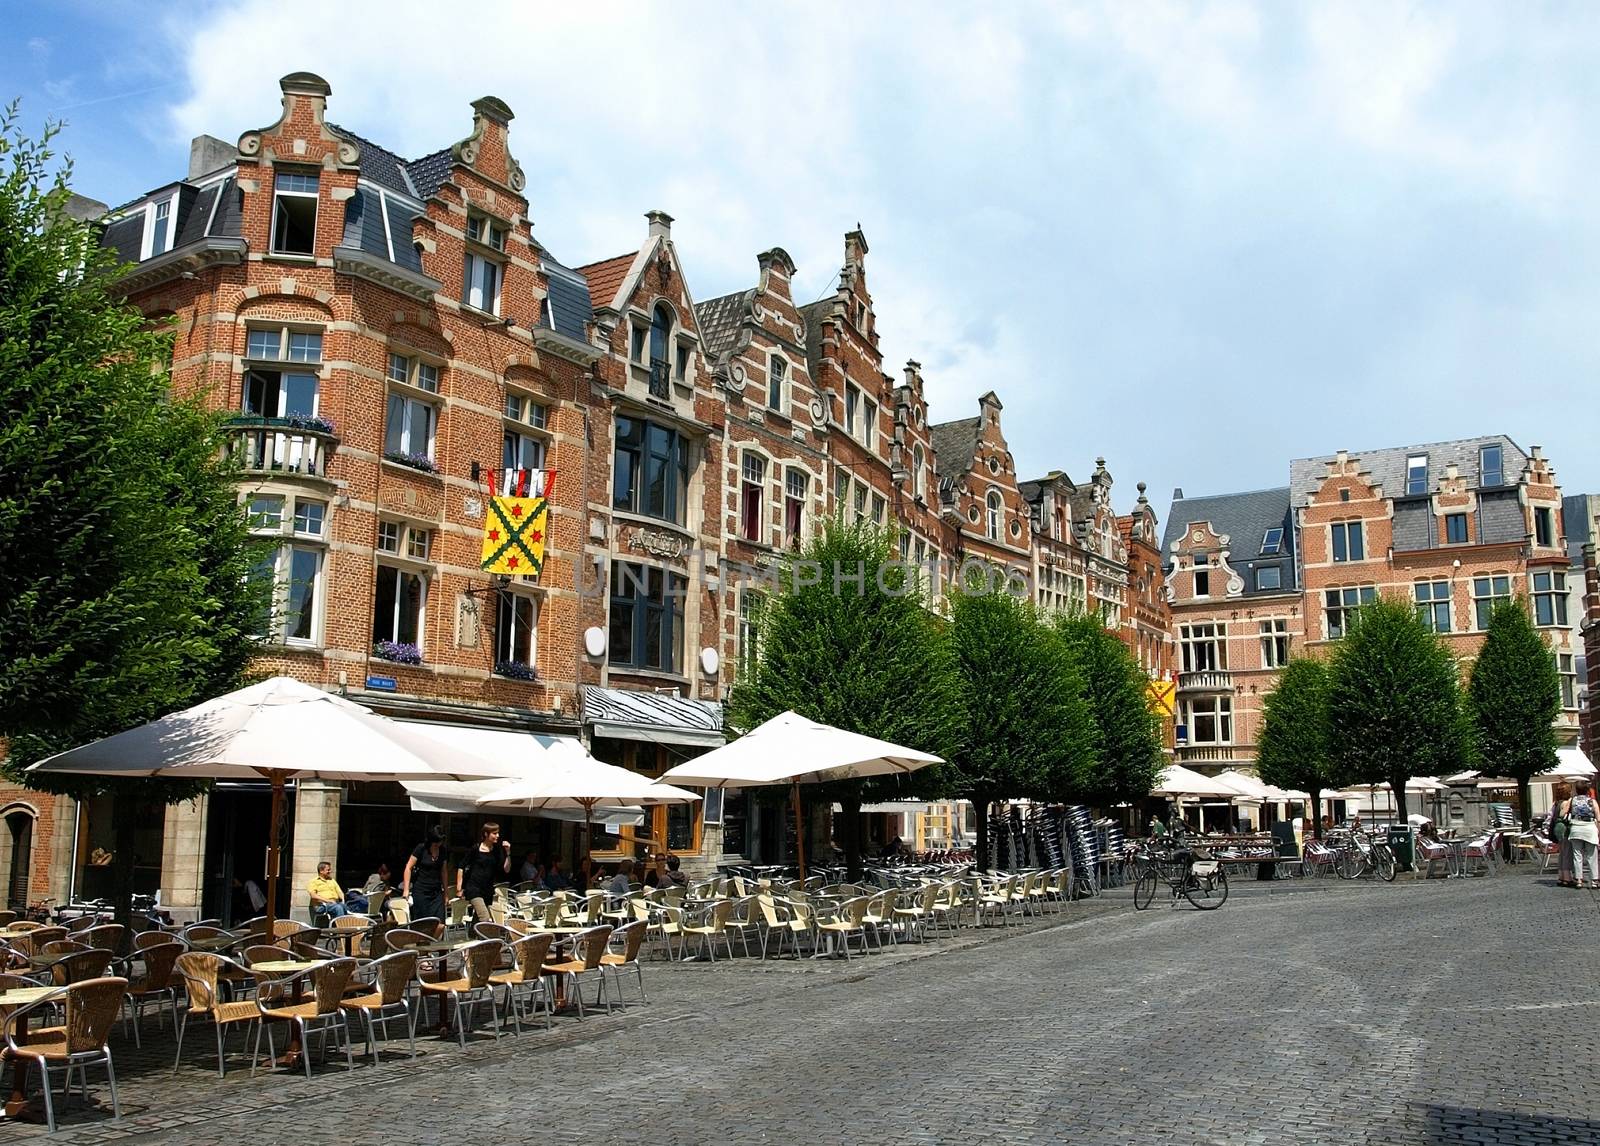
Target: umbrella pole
point(273, 856)
point(799, 833)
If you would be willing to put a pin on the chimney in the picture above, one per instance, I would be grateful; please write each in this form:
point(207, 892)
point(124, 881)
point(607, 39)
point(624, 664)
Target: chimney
point(660, 224)
point(83, 209)
point(1536, 452)
point(1177, 493)
point(913, 372)
point(207, 153)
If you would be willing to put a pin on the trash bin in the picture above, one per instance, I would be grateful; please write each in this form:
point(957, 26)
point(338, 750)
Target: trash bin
point(1403, 842)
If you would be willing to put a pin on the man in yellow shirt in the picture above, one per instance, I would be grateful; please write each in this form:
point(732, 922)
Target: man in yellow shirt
point(327, 897)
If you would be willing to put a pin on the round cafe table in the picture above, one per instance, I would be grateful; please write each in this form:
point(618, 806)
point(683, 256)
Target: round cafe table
point(279, 968)
point(17, 1105)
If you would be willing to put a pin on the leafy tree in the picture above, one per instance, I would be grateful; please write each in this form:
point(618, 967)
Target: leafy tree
point(1127, 737)
point(847, 640)
point(1029, 731)
point(1394, 701)
point(1514, 698)
point(1294, 747)
point(124, 588)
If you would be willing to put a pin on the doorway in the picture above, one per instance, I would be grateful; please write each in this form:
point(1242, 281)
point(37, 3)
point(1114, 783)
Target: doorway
point(19, 855)
point(237, 827)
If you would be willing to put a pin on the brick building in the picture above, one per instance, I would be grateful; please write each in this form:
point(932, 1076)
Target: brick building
point(1257, 577)
point(392, 346)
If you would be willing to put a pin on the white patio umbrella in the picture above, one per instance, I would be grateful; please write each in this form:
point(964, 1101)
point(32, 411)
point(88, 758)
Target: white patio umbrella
point(279, 730)
point(1176, 780)
point(792, 749)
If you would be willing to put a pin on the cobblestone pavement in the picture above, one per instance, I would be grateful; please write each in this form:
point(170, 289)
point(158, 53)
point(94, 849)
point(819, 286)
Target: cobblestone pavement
point(1459, 1011)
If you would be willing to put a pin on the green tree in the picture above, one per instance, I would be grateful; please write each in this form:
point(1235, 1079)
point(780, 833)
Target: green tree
point(1293, 751)
point(1514, 698)
point(1127, 737)
point(1394, 701)
point(124, 588)
point(847, 640)
point(1029, 732)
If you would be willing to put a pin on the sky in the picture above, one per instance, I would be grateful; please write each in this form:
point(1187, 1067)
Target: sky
point(1198, 240)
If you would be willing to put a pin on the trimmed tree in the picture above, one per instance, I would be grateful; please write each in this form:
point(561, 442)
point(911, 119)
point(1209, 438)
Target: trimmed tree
point(1293, 747)
point(1394, 701)
point(1514, 698)
point(1127, 738)
point(124, 590)
point(1028, 730)
point(847, 640)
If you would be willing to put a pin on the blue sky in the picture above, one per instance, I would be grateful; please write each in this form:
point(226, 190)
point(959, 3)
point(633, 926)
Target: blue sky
point(1198, 240)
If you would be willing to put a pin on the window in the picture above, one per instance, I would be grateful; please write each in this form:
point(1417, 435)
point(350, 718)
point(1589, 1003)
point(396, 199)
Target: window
point(1204, 647)
point(1433, 605)
point(483, 283)
point(646, 617)
point(640, 334)
point(397, 537)
point(1272, 542)
point(1549, 598)
point(996, 513)
point(751, 496)
point(521, 409)
point(1544, 526)
point(651, 471)
point(869, 424)
point(283, 344)
point(1274, 643)
point(860, 502)
point(683, 364)
point(408, 436)
point(481, 229)
point(1210, 719)
point(1455, 528)
point(418, 543)
point(1491, 467)
point(1339, 606)
point(794, 504)
point(1416, 475)
point(389, 536)
point(294, 212)
point(161, 227)
point(518, 452)
point(1269, 577)
point(841, 490)
point(414, 372)
point(516, 625)
point(1202, 576)
point(852, 400)
point(750, 605)
point(1487, 592)
point(281, 393)
point(399, 600)
point(879, 506)
point(918, 460)
point(294, 571)
point(1347, 541)
point(1569, 680)
point(777, 382)
point(660, 335)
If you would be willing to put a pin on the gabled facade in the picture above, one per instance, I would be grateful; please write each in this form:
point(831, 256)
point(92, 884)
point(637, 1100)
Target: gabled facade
point(978, 491)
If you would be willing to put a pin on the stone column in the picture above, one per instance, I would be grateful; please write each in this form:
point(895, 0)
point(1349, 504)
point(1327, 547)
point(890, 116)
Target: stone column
point(183, 857)
point(316, 838)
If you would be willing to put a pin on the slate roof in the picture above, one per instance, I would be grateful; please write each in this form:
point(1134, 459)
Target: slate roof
point(195, 219)
point(956, 445)
point(378, 164)
point(1244, 519)
point(1387, 467)
point(1577, 519)
point(429, 173)
point(569, 311)
point(719, 320)
point(605, 278)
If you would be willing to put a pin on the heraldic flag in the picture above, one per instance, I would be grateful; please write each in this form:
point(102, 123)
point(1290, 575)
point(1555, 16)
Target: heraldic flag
point(515, 526)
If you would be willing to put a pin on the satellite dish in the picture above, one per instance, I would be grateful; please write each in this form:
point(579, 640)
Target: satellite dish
point(594, 641)
point(709, 661)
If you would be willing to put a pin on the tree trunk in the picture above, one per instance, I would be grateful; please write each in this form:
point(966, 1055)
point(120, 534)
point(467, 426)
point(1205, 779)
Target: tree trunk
point(980, 808)
point(850, 823)
point(1316, 811)
point(122, 864)
point(1397, 787)
point(1525, 801)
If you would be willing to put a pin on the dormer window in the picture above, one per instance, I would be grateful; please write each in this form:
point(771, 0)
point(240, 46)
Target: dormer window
point(483, 270)
point(161, 227)
point(483, 230)
point(996, 511)
point(777, 382)
point(1416, 475)
point(294, 212)
point(1491, 467)
point(1272, 542)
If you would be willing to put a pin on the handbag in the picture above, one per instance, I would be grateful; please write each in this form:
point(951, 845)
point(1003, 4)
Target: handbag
point(1561, 827)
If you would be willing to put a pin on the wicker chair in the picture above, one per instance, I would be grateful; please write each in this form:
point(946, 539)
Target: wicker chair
point(7, 918)
point(203, 975)
point(714, 925)
point(285, 930)
point(64, 947)
point(25, 925)
point(146, 939)
point(80, 967)
point(850, 920)
point(157, 984)
point(92, 1009)
point(526, 979)
point(632, 936)
point(275, 1000)
point(398, 910)
point(106, 935)
point(392, 977)
point(477, 965)
point(588, 948)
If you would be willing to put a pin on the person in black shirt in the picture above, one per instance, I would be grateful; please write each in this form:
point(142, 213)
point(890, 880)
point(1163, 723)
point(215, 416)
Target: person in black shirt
point(485, 865)
point(423, 880)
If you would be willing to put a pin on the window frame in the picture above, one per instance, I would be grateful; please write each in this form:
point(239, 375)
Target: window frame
point(794, 504)
point(665, 610)
point(1203, 646)
point(994, 516)
point(1451, 520)
point(1549, 603)
point(278, 195)
point(1275, 643)
point(1416, 475)
point(282, 532)
point(752, 495)
point(409, 404)
point(400, 569)
point(1433, 609)
point(1343, 608)
point(1218, 709)
point(677, 463)
point(1272, 542)
point(506, 645)
point(777, 383)
point(1347, 543)
point(1544, 526)
point(1483, 604)
point(752, 602)
point(1277, 578)
point(1499, 470)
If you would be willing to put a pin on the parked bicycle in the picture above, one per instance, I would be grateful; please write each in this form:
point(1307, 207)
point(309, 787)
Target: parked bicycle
point(1185, 868)
point(1362, 857)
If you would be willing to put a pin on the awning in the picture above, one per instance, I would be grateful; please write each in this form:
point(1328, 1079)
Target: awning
point(656, 717)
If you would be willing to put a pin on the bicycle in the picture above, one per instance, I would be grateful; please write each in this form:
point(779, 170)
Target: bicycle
point(1198, 878)
point(1361, 856)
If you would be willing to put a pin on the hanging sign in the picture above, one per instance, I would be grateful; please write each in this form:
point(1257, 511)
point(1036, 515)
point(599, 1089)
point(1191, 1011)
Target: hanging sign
point(515, 525)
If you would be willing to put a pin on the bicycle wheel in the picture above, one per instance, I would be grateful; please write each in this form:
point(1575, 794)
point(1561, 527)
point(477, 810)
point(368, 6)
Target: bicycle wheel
point(1383, 860)
point(1348, 865)
point(1208, 892)
point(1144, 892)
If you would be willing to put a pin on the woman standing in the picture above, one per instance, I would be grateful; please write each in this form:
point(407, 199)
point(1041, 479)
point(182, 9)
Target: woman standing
point(1585, 835)
point(423, 879)
point(1556, 825)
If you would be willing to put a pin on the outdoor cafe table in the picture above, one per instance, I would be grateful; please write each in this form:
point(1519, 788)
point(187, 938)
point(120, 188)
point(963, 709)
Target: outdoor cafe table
point(17, 1103)
point(218, 943)
point(443, 948)
point(275, 968)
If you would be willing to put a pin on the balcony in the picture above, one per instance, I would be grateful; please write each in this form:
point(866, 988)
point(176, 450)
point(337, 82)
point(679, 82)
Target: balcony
point(660, 379)
point(300, 447)
point(1202, 683)
point(1214, 753)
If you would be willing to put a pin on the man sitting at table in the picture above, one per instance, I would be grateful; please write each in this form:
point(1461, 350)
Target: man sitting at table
point(554, 878)
point(327, 897)
point(620, 883)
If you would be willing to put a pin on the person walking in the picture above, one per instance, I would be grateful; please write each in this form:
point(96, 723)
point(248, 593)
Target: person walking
point(1585, 835)
point(486, 865)
point(422, 882)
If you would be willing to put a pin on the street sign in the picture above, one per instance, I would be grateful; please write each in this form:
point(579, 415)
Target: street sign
point(381, 683)
point(1162, 697)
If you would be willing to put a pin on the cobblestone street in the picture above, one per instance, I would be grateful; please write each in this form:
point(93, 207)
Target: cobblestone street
point(1317, 1011)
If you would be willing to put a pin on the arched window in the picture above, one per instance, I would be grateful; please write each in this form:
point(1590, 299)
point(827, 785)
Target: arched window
point(996, 510)
point(16, 855)
point(660, 333)
point(916, 471)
